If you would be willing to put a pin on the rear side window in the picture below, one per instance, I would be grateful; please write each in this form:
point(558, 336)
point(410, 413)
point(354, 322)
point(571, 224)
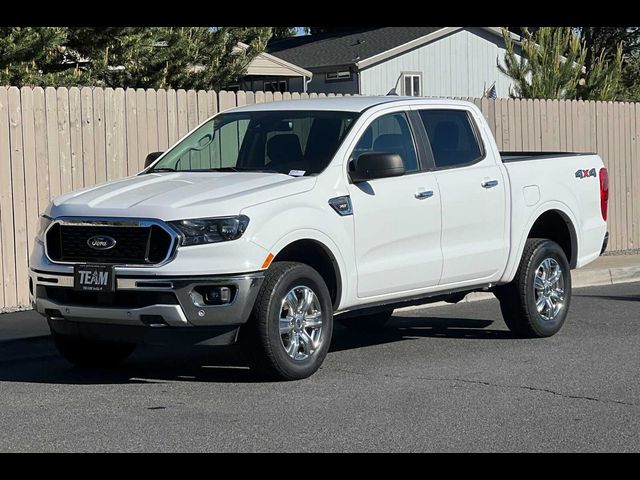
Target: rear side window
point(452, 136)
point(389, 134)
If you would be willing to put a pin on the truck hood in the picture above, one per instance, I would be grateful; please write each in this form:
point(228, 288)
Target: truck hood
point(172, 196)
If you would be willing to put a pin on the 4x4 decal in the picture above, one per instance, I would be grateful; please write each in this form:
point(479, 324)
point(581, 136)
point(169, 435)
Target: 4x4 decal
point(586, 173)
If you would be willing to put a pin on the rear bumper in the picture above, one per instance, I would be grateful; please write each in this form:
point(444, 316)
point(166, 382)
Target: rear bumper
point(146, 301)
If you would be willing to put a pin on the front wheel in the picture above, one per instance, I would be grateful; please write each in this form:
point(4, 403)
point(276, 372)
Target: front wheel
point(535, 304)
point(289, 331)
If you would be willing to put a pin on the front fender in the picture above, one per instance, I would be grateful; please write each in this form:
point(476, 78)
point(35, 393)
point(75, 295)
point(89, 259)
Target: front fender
point(307, 221)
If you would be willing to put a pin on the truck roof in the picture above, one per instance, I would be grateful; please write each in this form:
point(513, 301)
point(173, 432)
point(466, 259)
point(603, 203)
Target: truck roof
point(346, 104)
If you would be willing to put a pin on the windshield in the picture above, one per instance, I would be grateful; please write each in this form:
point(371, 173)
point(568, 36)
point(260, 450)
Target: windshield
point(291, 142)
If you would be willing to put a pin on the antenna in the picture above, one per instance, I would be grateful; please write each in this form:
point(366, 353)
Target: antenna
point(393, 90)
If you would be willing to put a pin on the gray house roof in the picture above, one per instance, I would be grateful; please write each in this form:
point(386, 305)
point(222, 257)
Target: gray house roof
point(323, 50)
point(360, 48)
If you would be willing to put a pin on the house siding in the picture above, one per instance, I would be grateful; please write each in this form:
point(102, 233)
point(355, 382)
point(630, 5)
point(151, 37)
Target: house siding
point(319, 84)
point(462, 64)
point(262, 66)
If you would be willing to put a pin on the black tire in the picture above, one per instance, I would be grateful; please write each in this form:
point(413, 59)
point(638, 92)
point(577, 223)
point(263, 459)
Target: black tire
point(261, 340)
point(373, 322)
point(88, 353)
point(518, 298)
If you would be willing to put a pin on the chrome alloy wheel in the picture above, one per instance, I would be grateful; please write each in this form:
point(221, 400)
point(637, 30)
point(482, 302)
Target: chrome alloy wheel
point(301, 323)
point(548, 287)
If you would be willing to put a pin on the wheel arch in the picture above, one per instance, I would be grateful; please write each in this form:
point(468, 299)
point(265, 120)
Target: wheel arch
point(554, 221)
point(556, 225)
point(316, 253)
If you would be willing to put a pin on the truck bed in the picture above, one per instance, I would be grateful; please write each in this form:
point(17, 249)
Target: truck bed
point(566, 180)
point(525, 156)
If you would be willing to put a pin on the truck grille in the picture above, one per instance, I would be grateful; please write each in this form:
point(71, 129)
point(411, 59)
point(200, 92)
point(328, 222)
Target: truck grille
point(134, 245)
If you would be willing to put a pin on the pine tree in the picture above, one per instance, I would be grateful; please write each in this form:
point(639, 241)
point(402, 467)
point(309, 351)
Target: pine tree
point(283, 32)
point(197, 57)
point(551, 65)
point(139, 57)
point(32, 56)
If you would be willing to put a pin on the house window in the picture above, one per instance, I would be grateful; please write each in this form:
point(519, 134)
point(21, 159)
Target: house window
point(412, 84)
point(339, 75)
point(276, 86)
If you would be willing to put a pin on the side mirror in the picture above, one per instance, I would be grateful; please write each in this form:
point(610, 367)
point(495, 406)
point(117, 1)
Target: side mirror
point(372, 165)
point(151, 158)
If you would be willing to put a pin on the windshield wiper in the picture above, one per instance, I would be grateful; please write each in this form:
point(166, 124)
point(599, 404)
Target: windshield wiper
point(240, 169)
point(162, 169)
point(224, 169)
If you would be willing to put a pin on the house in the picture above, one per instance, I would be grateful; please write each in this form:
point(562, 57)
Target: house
point(421, 61)
point(270, 74)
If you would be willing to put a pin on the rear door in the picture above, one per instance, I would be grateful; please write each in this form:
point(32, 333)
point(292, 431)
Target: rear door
point(397, 220)
point(473, 197)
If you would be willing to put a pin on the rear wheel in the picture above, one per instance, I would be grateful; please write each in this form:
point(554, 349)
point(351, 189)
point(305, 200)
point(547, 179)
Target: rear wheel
point(89, 353)
point(371, 322)
point(536, 303)
point(289, 332)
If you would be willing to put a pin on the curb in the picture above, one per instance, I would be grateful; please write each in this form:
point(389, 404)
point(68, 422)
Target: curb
point(579, 279)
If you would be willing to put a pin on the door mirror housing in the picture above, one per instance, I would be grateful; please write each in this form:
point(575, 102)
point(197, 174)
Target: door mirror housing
point(152, 157)
point(372, 165)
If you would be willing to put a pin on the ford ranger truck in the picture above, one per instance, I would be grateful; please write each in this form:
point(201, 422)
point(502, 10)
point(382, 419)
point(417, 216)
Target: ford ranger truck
point(268, 221)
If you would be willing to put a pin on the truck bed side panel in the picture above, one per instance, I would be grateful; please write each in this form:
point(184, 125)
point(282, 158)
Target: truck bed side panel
point(552, 183)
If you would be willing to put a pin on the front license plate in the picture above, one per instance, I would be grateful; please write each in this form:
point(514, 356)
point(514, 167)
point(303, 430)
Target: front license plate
point(94, 278)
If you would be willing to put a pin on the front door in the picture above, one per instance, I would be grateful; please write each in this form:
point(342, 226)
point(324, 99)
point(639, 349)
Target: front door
point(397, 220)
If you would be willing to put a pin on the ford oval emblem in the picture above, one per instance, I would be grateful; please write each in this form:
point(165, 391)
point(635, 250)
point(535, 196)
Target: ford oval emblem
point(101, 242)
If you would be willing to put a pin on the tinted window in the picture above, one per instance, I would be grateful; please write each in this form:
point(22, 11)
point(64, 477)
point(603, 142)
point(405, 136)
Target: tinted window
point(279, 141)
point(452, 137)
point(389, 134)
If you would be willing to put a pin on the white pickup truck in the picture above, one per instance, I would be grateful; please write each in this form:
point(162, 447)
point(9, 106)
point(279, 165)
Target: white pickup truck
point(268, 221)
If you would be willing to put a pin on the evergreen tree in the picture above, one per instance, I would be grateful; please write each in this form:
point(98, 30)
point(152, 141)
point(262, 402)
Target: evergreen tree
point(34, 56)
point(630, 88)
point(283, 32)
point(116, 56)
point(145, 57)
point(551, 66)
point(196, 57)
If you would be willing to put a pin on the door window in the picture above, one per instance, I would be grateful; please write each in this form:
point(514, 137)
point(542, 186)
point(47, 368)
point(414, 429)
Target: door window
point(452, 136)
point(389, 134)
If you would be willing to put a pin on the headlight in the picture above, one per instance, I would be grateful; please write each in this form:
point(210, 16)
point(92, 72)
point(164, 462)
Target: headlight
point(43, 225)
point(210, 230)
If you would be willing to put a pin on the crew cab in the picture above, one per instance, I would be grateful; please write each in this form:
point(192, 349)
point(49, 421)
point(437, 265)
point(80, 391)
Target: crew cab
point(269, 221)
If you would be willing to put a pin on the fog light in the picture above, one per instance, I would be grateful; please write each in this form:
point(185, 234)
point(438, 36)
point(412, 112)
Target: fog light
point(217, 295)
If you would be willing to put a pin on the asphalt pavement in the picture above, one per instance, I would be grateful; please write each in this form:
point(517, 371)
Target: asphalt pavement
point(438, 379)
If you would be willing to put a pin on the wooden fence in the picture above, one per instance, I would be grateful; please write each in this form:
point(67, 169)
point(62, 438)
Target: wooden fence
point(56, 140)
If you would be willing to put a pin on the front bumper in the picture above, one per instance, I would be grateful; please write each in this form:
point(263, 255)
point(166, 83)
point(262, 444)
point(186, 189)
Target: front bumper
point(150, 301)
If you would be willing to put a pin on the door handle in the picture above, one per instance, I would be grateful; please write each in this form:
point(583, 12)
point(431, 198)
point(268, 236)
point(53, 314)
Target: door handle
point(422, 194)
point(489, 183)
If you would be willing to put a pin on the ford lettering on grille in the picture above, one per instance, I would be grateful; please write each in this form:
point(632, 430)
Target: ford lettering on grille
point(101, 242)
